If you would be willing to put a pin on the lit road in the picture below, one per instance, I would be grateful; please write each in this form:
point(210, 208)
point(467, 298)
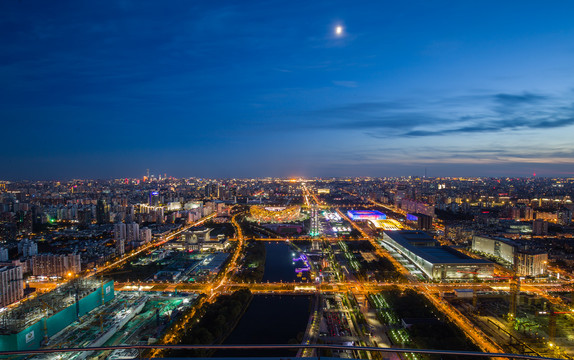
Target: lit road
point(212, 291)
point(146, 247)
point(476, 335)
point(331, 239)
point(223, 283)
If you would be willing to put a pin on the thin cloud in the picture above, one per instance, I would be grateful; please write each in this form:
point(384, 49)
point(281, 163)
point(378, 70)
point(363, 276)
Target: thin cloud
point(518, 99)
point(493, 113)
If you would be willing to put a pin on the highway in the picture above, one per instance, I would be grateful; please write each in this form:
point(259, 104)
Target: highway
point(212, 291)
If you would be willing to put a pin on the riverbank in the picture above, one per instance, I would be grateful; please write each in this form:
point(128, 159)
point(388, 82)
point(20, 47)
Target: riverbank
point(253, 263)
point(215, 322)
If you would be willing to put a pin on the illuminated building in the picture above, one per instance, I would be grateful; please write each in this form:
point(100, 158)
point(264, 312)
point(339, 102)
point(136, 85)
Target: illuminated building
point(435, 261)
point(132, 232)
point(154, 198)
point(120, 246)
point(366, 215)
point(174, 206)
point(387, 224)
point(539, 227)
point(199, 240)
point(275, 214)
point(420, 221)
point(145, 235)
point(314, 221)
point(102, 212)
point(55, 265)
point(12, 285)
point(530, 262)
point(120, 231)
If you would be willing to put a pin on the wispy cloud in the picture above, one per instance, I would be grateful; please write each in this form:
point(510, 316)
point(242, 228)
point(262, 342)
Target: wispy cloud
point(518, 99)
point(494, 113)
point(458, 155)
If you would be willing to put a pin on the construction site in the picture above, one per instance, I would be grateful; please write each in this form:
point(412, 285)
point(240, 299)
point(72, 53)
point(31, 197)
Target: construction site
point(31, 324)
point(88, 313)
point(131, 318)
point(522, 322)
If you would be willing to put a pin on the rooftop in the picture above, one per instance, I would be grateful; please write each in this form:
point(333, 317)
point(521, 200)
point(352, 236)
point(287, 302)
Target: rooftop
point(426, 247)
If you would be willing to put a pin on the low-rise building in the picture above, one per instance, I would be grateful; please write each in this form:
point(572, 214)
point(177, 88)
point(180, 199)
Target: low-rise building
point(529, 262)
point(435, 261)
point(200, 240)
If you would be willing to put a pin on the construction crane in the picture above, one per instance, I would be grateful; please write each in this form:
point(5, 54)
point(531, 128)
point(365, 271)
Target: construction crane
point(45, 322)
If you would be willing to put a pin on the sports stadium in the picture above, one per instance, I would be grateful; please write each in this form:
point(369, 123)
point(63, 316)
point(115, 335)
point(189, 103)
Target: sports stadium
point(275, 214)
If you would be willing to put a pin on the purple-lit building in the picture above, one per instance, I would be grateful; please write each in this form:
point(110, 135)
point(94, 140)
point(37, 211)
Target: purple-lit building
point(366, 215)
point(419, 221)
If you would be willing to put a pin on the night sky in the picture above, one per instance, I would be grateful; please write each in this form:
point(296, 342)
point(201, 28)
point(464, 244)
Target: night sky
point(107, 89)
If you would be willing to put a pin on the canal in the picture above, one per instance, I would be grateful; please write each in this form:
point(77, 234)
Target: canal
point(270, 319)
point(279, 264)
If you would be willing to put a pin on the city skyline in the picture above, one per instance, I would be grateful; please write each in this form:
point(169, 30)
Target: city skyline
point(317, 89)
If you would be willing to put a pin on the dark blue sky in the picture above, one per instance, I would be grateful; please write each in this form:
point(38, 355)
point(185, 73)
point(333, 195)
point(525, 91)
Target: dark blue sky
point(99, 89)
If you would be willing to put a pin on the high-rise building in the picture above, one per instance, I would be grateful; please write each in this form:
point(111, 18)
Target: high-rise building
point(27, 248)
point(314, 231)
point(11, 285)
point(539, 227)
point(120, 231)
point(102, 212)
point(528, 213)
point(130, 213)
point(56, 265)
point(132, 232)
point(154, 198)
point(3, 254)
point(564, 216)
point(515, 213)
point(120, 247)
point(145, 235)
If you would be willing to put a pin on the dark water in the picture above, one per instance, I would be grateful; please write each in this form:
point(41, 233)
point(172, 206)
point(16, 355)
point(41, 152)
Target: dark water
point(279, 263)
point(269, 320)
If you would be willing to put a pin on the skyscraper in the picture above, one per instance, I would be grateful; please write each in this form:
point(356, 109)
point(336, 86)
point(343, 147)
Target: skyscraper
point(154, 198)
point(314, 221)
point(120, 231)
point(102, 212)
point(132, 232)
